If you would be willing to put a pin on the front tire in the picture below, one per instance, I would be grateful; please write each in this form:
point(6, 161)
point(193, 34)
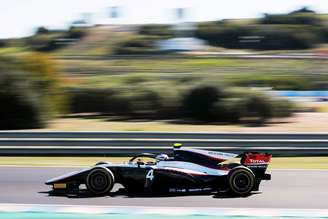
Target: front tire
point(241, 181)
point(100, 181)
point(101, 163)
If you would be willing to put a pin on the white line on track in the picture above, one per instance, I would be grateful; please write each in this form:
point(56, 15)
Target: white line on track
point(144, 210)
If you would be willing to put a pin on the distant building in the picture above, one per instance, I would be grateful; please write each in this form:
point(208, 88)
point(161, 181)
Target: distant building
point(184, 32)
point(181, 44)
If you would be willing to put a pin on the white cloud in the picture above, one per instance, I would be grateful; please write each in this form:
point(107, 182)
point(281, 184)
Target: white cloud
point(20, 17)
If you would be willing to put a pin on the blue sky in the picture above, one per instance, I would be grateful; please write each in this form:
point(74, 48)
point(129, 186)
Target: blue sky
point(21, 17)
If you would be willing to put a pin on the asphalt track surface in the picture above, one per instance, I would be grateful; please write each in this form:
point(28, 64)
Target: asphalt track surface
point(288, 189)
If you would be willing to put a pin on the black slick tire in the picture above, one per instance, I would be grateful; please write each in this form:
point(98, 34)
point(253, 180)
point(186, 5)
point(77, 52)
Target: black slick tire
point(241, 181)
point(100, 181)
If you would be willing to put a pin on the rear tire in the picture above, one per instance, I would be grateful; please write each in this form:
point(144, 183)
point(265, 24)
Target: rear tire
point(100, 181)
point(241, 181)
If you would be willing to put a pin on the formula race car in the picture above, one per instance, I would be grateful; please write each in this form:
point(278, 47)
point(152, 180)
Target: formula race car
point(185, 171)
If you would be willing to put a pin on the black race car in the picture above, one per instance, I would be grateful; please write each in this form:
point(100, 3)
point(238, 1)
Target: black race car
point(186, 171)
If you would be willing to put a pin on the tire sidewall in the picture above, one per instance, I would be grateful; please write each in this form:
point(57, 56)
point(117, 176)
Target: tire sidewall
point(232, 176)
point(110, 179)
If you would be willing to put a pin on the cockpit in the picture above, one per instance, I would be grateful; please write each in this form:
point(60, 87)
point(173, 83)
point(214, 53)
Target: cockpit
point(149, 158)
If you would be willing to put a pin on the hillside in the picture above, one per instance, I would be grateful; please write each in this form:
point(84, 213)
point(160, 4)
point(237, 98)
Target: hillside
point(99, 40)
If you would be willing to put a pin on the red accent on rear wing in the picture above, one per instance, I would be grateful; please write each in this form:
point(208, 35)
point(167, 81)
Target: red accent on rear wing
point(255, 158)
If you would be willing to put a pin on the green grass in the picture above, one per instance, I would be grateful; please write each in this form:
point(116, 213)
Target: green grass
point(11, 50)
point(277, 163)
point(180, 64)
point(279, 74)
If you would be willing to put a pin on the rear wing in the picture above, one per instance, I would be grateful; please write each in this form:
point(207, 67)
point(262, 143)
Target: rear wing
point(257, 162)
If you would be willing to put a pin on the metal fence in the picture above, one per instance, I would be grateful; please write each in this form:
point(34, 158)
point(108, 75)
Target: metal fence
point(128, 143)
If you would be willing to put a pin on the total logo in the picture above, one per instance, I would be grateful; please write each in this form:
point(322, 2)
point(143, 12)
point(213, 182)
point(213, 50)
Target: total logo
point(256, 161)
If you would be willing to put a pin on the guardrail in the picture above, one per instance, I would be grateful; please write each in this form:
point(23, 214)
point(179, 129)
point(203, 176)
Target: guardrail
point(164, 135)
point(128, 143)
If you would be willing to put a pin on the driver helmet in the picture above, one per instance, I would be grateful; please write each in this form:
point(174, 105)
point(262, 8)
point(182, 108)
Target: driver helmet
point(162, 157)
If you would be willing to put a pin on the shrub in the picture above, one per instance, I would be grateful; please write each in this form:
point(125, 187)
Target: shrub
point(300, 29)
point(3, 43)
point(167, 99)
point(40, 42)
point(205, 103)
point(75, 33)
point(228, 110)
point(42, 30)
point(282, 107)
point(257, 106)
point(198, 101)
point(156, 30)
point(119, 102)
point(277, 82)
point(134, 79)
point(47, 81)
point(263, 37)
point(19, 112)
point(292, 18)
point(303, 10)
point(260, 107)
point(89, 100)
point(221, 34)
point(142, 100)
point(138, 45)
point(47, 41)
point(29, 93)
point(20, 106)
point(135, 97)
point(278, 37)
point(147, 101)
point(252, 107)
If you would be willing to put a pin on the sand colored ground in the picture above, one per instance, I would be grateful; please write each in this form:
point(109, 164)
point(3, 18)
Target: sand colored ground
point(301, 122)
